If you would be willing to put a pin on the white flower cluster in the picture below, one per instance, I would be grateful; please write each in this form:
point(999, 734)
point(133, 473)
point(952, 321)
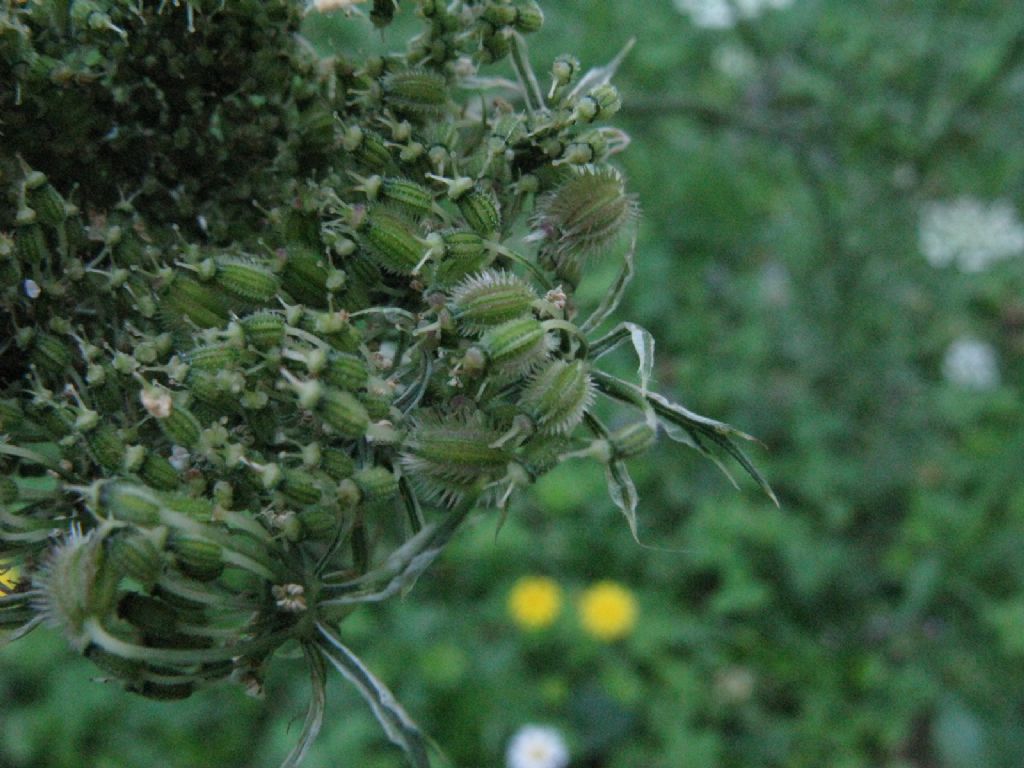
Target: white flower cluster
point(970, 233)
point(722, 14)
point(971, 364)
point(537, 746)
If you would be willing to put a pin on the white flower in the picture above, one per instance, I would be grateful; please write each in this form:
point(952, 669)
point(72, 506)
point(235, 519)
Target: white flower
point(722, 14)
point(969, 233)
point(971, 364)
point(537, 746)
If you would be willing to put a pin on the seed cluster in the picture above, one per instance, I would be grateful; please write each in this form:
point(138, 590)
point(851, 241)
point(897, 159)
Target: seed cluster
point(272, 325)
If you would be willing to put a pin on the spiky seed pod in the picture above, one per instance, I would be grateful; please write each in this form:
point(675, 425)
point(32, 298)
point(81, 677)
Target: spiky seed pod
point(345, 371)
point(499, 14)
point(180, 427)
point(46, 201)
point(30, 244)
point(446, 455)
point(632, 440)
point(301, 487)
point(529, 17)
point(76, 585)
point(417, 92)
point(377, 402)
point(390, 242)
point(490, 298)
point(479, 208)
point(213, 357)
point(585, 215)
point(334, 328)
point(196, 507)
point(129, 503)
point(343, 413)
point(197, 558)
point(209, 388)
point(318, 523)
point(367, 148)
point(337, 464)
point(540, 455)
point(304, 276)
point(264, 330)
point(515, 348)
point(159, 473)
point(464, 252)
point(246, 280)
point(376, 484)
point(558, 396)
point(409, 196)
point(188, 302)
point(106, 446)
point(136, 556)
point(50, 355)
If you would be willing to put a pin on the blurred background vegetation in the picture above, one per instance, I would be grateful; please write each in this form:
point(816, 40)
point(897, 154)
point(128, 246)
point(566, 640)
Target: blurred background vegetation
point(831, 258)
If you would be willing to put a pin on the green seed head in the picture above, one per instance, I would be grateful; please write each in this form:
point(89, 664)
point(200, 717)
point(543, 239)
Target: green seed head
point(490, 298)
point(448, 454)
point(416, 92)
point(516, 348)
point(343, 413)
point(585, 216)
point(558, 396)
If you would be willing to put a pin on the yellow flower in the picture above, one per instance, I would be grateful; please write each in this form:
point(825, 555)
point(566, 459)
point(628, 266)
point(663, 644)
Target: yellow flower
point(608, 611)
point(8, 576)
point(535, 602)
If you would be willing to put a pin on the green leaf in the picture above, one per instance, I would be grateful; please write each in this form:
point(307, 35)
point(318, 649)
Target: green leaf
point(398, 726)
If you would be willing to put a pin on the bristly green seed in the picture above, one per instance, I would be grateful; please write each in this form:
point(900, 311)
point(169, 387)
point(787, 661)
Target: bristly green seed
point(130, 503)
point(159, 473)
point(198, 558)
point(491, 298)
point(263, 330)
point(345, 371)
point(377, 403)
point(632, 440)
point(181, 427)
point(367, 148)
point(498, 14)
point(480, 210)
point(136, 556)
point(30, 244)
point(51, 355)
point(337, 464)
point(445, 455)
point(558, 396)
point(107, 447)
point(391, 242)
point(213, 357)
point(377, 484)
point(246, 280)
point(343, 413)
point(318, 523)
point(301, 487)
point(529, 17)
point(412, 198)
point(416, 91)
point(304, 276)
point(585, 215)
point(187, 301)
point(516, 348)
point(48, 203)
point(465, 252)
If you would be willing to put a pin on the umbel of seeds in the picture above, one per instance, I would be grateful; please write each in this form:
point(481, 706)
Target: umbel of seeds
point(273, 325)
